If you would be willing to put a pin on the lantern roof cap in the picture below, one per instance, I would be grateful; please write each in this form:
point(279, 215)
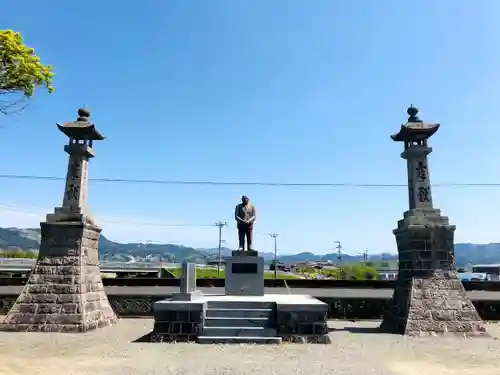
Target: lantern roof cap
point(414, 129)
point(82, 128)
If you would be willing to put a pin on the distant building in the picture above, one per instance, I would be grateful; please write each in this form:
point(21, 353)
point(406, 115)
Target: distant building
point(216, 262)
point(384, 275)
point(470, 276)
point(492, 270)
point(387, 270)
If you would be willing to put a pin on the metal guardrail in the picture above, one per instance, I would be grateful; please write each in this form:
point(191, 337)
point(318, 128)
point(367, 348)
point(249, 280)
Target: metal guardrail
point(16, 261)
point(11, 262)
point(25, 265)
point(31, 262)
point(8, 262)
point(487, 286)
point(133, 265)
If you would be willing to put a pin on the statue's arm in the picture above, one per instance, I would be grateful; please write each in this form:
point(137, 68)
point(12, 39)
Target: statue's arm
point(254, 215)
point(236, 217)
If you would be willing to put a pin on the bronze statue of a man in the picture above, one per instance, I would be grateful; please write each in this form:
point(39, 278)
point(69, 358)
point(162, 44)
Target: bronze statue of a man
point(245, 217)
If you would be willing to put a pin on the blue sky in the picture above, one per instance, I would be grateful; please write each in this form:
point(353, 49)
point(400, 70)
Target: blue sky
point(280, 91)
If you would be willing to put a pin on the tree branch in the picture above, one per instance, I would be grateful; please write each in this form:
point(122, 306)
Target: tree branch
point(14, 102)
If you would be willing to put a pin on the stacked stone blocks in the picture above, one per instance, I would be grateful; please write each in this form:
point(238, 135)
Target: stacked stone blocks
point(178, 325)
point(303, 326)
point(429, 298)
point(64, 292)
point(183, 318)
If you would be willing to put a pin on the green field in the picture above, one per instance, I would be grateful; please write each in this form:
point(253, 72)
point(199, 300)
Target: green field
point(211, 273)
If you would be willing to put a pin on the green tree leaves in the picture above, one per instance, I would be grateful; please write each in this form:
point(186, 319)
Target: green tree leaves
point(21, 71)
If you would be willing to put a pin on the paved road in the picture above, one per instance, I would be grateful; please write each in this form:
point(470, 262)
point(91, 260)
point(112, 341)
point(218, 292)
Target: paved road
point(315, 292)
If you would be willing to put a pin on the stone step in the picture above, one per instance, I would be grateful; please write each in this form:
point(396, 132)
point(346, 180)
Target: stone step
point(238, 340)
point(239, 331)
point(235, 304)
point(218, 321)
point(238, 313)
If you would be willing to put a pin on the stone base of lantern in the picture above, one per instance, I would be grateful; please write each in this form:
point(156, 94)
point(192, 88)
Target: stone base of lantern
point(429, 298)
point(64, 292)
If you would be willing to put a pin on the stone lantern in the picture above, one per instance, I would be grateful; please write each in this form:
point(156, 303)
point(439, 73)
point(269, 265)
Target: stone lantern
point(429, 297)
point(64, 292)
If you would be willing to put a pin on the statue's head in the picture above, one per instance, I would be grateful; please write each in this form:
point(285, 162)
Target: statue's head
point(245, 199)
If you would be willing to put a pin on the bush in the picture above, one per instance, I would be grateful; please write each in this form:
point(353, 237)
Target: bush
point(211, 273)
point(18, 254)
point(353, 271)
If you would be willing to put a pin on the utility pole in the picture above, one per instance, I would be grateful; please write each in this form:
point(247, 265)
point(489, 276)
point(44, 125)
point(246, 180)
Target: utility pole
point(274, 236)
point(220, 225)
point(365, 255)
point(338, 247)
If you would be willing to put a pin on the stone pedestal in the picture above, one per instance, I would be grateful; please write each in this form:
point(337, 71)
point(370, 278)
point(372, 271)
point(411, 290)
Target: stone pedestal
point(303, 319)
point(64, 292)
point(178, 321)
point(244, 274)
point(429, 297)
point(182, 318)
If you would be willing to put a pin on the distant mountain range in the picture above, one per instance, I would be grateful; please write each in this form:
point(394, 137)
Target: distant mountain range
point(29, 239)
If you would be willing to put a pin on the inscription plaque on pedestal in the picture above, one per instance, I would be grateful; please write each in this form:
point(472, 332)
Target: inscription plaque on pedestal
point(247, 268)
point(245, 275)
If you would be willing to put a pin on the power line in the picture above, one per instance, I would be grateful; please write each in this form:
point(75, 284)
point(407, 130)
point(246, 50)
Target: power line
point(238, 183)
point(104, 220)
point(146, 224)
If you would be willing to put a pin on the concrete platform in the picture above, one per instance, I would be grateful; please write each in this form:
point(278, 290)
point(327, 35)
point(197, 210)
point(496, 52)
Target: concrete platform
point(288, 301)
point(285, 299)
point(217, 318)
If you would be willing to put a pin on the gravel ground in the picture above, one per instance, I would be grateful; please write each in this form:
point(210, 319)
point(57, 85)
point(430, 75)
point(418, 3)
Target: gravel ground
point(356, 350)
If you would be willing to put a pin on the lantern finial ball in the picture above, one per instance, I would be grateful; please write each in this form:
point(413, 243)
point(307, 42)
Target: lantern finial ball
point(83, 114)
